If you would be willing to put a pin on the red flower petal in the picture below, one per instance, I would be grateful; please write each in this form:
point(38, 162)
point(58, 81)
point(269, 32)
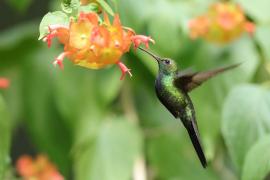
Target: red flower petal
point(124, 70)
point(250, 27)
point(4, 83)
point(138, 39)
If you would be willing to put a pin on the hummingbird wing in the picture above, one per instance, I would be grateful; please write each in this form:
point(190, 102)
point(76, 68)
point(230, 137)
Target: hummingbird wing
point(191, 80)
point(186, 71)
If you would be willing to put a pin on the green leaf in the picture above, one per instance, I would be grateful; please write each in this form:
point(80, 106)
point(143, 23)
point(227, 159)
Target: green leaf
point(111, 154)
point(108, 84)
point(106, 7)
point(257, 161)
point(94, 89)
point(11, 37)
point(5, 134)
point(259, 10)
point(246, 118)
point(92, 7)
point(262, 35)
point(165, 29)
point(132, 17)
point(21, 5)
point(171, 156)
point(83, 99)
point(70, 6)
point(52, 18)
point(46, 127)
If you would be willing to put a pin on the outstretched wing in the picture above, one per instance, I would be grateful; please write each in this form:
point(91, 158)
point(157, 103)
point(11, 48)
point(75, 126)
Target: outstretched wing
point(189, 81)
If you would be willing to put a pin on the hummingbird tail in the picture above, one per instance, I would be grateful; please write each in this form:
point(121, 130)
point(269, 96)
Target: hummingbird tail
point(194, 136)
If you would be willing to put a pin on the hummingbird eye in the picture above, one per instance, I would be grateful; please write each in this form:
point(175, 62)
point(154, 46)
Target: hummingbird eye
point(167, 62)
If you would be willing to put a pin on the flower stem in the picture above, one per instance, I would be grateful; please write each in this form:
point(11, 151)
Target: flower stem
point(139, 170)
point(262, 73)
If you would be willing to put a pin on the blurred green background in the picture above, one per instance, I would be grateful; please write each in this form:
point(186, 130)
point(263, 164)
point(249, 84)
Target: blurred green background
point(95, 127)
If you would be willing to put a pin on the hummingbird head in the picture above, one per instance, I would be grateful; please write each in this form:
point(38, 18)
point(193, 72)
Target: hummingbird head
point(166, 66)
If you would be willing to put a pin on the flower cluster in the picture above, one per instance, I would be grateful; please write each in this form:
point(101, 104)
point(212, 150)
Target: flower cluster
point(4, 83)
point(95, 45)
point(222, 23)
point(40, 168)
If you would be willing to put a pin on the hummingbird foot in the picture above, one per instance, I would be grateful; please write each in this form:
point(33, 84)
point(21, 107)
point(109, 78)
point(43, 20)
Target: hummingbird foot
point(138, 39)
point(124, 70)
point(59, 60)
point(53, 32)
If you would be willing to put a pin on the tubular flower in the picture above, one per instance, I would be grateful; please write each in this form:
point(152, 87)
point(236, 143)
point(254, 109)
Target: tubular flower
point(40, 168)
point(4, 83)
point(222, 23)
point(93, 45)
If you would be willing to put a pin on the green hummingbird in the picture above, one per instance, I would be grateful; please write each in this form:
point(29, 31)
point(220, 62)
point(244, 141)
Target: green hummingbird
point(172, 88)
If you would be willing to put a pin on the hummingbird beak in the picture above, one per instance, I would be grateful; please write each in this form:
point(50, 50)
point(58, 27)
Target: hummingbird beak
point(151, 54)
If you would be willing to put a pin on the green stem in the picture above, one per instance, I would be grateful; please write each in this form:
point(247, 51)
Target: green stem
point(131, 114)
point(219, 162)
point(261, 74)
point(115, 6)
point(128, 104)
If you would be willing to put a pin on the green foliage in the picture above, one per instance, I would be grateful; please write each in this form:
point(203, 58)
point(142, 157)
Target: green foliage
point(106, 7)
point(263, 37)
point(171, 157)
point(57, 17)
point(5, 134)
point(89, 8)
point(45, 125)
point(111, 153)
point(21, 5)
point(257, 161)
point(69, 6)
point(258, 10)
point(94, 126)
point(245, 119)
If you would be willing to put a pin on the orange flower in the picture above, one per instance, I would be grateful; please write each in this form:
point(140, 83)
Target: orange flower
point(199, 26)
point(40, 168)
point(222, 23)
point(4, 83)
point(93, 45)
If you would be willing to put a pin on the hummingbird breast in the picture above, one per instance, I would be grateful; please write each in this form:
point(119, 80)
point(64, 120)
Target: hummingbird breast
point(174, 99)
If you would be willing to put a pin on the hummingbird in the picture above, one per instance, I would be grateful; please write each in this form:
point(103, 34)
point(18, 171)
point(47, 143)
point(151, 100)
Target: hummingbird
point(172, 87)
